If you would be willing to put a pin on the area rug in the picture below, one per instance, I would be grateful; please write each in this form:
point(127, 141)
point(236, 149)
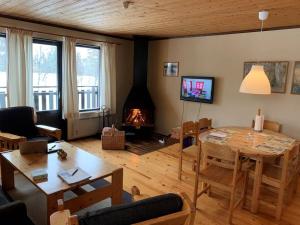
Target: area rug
point(141, 146)
point(35, 200)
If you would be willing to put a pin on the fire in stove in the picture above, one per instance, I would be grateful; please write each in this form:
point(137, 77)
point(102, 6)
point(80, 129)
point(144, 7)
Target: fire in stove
point(135, 118)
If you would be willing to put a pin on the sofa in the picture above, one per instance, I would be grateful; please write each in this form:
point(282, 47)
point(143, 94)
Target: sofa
point(164, 209)
point(17, 124)
point(12, 212)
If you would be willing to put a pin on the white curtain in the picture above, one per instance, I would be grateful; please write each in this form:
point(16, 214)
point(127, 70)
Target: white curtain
point(19, 70)
point(69, 85)
point(108, 76)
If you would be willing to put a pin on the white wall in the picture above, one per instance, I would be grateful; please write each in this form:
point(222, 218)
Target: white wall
point(124, 54)
point(223, 57)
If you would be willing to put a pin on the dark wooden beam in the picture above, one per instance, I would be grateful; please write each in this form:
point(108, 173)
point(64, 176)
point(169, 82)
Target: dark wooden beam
point(225, 33)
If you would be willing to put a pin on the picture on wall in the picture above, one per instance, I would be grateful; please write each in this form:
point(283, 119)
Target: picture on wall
point(296, 79)
point(276, 71)
point(171, 69)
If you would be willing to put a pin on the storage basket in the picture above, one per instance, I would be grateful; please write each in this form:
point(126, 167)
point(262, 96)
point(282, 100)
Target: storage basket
point(113, 139)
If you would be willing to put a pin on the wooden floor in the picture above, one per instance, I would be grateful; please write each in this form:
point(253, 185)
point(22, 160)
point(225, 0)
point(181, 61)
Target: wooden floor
point(156, 173)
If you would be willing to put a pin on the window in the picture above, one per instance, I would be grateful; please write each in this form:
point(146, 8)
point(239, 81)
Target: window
point(88, 77)
point(45, 75)
point(3, 73)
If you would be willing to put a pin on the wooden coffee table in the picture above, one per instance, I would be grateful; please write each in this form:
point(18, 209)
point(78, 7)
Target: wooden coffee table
point(54, 187)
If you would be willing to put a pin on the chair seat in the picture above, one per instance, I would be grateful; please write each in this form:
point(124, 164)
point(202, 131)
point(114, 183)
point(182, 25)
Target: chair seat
point(217, 175)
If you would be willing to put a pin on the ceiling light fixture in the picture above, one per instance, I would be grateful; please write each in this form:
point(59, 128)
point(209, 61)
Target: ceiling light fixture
point(256, 81)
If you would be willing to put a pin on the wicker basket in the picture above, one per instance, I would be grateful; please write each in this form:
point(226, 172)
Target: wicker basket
point(113, 140)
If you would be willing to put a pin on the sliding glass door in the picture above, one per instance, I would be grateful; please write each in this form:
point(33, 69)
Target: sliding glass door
point(47, 70)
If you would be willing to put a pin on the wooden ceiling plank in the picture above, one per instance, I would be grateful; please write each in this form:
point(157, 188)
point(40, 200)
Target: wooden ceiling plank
point(154, 17)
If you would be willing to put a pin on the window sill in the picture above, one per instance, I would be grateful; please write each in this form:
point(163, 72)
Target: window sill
point(89, 114)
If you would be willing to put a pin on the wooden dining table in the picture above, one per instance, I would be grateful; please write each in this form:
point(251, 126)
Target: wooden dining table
point(255, 145)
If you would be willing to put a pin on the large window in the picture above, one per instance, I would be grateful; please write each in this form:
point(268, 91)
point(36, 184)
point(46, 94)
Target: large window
point(3, 73)
point(45, 75)
point(88, 77)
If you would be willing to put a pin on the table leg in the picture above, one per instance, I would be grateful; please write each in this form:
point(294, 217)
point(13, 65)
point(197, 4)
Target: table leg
point(52, 205)
point(257, 184)
point(197, 176)
point(117, 187)
point(7, 175)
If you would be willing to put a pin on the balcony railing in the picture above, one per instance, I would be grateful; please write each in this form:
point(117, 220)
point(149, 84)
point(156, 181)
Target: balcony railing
point(88, 97)
point(46, 97)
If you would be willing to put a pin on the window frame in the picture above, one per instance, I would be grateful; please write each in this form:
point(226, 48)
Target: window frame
point(58, 44)
point(92, 47)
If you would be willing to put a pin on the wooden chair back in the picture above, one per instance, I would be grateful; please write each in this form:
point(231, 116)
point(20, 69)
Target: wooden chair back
point(221, 156)
point(204, 124)
point(188, 128)
point(270, 125)
point(184, 217)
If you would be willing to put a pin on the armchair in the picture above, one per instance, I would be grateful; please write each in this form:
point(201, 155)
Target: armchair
point(13, 212)
point(17, 125)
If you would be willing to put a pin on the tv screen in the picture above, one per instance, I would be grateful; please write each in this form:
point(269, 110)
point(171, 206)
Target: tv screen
point(197, 89)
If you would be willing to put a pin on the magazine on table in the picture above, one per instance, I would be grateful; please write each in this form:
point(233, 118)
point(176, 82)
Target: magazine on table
point(218, 134)
point(73, 175)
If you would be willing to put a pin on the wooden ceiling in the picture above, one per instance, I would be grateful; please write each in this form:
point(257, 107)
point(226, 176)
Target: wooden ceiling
point(156, 18)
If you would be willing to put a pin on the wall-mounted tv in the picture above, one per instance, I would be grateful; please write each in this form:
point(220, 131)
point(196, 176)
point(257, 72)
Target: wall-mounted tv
point(197, 89)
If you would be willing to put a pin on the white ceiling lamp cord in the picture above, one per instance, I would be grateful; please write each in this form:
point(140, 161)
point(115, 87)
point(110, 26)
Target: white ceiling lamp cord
point(262, 15)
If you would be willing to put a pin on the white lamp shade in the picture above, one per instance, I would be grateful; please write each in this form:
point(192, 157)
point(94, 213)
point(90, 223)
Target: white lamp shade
point(256, 82)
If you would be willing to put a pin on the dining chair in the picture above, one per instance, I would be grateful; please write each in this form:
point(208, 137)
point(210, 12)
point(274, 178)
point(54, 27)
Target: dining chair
point(270, 125)
point(275, 127)
point(221, 168)
point(204, 124)
point(281, 178)
point(191, 129)
point(188, 129)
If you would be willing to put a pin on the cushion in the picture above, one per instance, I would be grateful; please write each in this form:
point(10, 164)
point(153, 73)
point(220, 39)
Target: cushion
point(135, 212)
point(18, 120)
point(14, 213)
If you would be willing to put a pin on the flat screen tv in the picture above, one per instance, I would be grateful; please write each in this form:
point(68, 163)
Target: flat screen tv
point(197, 89)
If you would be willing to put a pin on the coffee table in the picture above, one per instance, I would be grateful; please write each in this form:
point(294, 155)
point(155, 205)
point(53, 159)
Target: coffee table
point(55, 187)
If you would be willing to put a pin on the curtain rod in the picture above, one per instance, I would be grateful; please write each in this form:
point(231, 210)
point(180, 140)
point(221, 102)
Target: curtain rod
point(43, 32)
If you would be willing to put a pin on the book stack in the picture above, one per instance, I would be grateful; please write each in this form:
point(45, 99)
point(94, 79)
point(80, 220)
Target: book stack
point(39, 175)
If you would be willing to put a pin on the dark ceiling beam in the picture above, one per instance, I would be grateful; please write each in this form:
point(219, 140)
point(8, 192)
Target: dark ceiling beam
point(229, 32)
